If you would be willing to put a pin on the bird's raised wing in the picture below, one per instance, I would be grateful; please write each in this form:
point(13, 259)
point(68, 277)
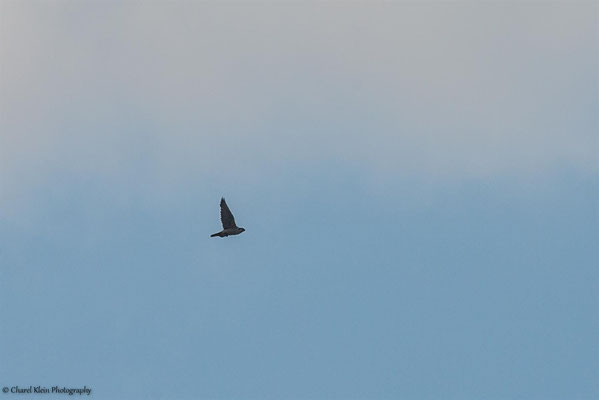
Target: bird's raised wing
point(226, 216)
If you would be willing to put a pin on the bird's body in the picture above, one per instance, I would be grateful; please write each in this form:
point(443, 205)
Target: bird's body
point(228, 221)
point(228, 232)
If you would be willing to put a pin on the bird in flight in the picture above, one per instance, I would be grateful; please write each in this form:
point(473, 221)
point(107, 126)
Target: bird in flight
point(226, 217)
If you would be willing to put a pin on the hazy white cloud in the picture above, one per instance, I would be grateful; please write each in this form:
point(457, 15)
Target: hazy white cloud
point(173, 89)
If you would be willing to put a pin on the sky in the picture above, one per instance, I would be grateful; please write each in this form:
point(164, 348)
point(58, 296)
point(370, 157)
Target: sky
point(418, 183)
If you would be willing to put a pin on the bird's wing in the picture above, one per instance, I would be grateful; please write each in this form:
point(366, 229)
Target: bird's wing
point(226, 216)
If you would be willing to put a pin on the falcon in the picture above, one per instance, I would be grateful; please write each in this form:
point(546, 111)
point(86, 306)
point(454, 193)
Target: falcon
point(226, 217)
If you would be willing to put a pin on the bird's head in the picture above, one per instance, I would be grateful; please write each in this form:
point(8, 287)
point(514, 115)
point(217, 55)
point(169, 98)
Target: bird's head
point(241, 229)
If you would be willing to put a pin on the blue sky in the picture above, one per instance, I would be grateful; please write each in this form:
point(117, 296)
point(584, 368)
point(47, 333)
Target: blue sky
point(418, 182)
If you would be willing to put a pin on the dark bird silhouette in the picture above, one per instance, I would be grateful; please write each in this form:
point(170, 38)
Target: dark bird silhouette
point(228, 220)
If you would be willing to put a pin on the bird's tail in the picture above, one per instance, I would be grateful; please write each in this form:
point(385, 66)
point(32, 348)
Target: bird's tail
point(214, 234)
